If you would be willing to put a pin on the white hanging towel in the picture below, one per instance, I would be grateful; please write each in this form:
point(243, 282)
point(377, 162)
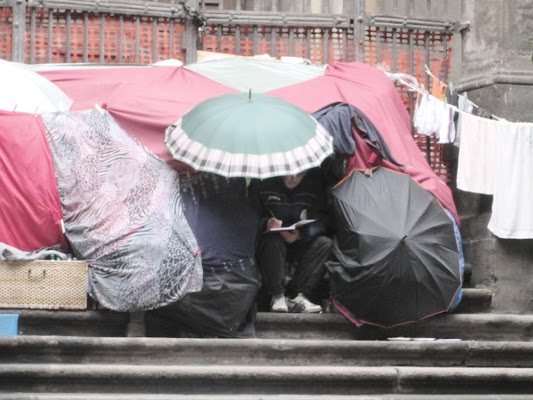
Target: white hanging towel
point(477, 154)
point(512, 210)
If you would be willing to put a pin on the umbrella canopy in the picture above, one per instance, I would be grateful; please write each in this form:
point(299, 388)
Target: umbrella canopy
point(261, 75)
point(245, 135)
point(24, 90)
point(397, 256)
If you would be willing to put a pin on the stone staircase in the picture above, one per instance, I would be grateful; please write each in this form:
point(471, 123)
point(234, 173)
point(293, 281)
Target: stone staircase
point(470, 354)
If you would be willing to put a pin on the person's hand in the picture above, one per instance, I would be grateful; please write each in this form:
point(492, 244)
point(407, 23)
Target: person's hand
point(273, 223)
point(290, 236)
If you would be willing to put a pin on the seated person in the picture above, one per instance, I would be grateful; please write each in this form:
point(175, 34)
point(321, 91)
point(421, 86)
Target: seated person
point(282, 201)
point(225, 227)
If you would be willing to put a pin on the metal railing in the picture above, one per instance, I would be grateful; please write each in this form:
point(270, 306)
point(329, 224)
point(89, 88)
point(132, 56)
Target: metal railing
point(41, 29)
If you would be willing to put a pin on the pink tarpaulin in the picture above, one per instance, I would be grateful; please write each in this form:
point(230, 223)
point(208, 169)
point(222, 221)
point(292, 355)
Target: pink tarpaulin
point(372, 92)
point(143, 100)
point(30, 210)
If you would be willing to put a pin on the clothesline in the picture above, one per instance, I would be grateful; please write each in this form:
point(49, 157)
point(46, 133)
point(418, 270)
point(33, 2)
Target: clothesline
point(495, 155)
point(412, 83)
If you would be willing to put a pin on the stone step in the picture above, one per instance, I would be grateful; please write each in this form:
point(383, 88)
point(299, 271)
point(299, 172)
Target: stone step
point(330, 326)
point(494, 327)
point(132, 396)
point(475, 300)
point(270, 380)
point(263, 352)
point(467, 274)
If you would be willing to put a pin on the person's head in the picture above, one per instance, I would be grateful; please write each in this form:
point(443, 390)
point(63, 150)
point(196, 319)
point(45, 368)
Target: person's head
point(291, 181)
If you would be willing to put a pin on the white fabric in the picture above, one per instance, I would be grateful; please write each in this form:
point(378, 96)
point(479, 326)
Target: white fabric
point(435, 117)
point(479, 145)
point(24, 90)
point(424, 120)
point(512, 209)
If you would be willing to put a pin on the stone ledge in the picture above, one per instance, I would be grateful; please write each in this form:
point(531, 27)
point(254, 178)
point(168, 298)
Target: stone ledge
point(216, 379)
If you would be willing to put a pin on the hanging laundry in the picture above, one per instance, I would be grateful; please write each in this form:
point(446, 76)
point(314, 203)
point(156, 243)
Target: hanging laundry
point(512, 214)
point(447, 132)
point(466, 106)
point(479, 144)
point(435, 117)
point(438, 88)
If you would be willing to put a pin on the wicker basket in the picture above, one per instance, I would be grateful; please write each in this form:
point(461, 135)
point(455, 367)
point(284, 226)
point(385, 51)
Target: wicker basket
point(43, 284)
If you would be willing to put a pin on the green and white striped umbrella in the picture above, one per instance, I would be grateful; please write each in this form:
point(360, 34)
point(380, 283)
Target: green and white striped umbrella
point(248, 135)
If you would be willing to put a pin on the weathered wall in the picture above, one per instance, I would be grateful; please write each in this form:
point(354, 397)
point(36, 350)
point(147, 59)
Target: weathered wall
point(497, 56)
point(497, 70)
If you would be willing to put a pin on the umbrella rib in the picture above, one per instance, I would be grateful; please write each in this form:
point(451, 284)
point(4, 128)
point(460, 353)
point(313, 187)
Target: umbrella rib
point(446, 270)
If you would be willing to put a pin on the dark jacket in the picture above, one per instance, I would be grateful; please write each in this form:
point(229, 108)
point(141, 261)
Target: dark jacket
point(308, 200)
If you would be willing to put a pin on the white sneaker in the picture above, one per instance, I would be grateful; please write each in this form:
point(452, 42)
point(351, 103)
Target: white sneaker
point(301, 304)
point(279, 304)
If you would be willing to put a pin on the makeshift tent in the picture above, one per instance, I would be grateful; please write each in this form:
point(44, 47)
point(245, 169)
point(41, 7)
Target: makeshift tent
point(30, 210)
point(122, 213)
point(149, 99)
point(146, 100)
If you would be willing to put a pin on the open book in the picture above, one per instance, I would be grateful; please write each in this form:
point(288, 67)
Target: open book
point(293, 226)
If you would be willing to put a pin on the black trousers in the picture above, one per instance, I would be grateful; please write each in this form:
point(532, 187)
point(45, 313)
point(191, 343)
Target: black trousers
point(274, 253)
point(225, 307)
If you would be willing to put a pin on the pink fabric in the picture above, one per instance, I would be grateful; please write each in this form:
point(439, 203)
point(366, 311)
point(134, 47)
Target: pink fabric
point(146, 100)
point(143, 100)
point(372, 92)
point(30, 210)
point(89, 86)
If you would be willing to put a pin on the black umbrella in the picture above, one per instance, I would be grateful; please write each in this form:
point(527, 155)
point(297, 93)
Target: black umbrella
point(397, 258)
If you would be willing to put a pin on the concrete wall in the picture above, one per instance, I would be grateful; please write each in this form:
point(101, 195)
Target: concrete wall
point(496, 69)
point(497, 57)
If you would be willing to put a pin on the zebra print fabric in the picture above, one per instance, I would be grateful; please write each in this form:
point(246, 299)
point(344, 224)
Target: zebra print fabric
point(122, 213)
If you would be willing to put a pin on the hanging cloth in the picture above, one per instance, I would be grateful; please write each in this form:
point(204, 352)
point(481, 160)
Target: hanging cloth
point(512, 214)
point(479, 146)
